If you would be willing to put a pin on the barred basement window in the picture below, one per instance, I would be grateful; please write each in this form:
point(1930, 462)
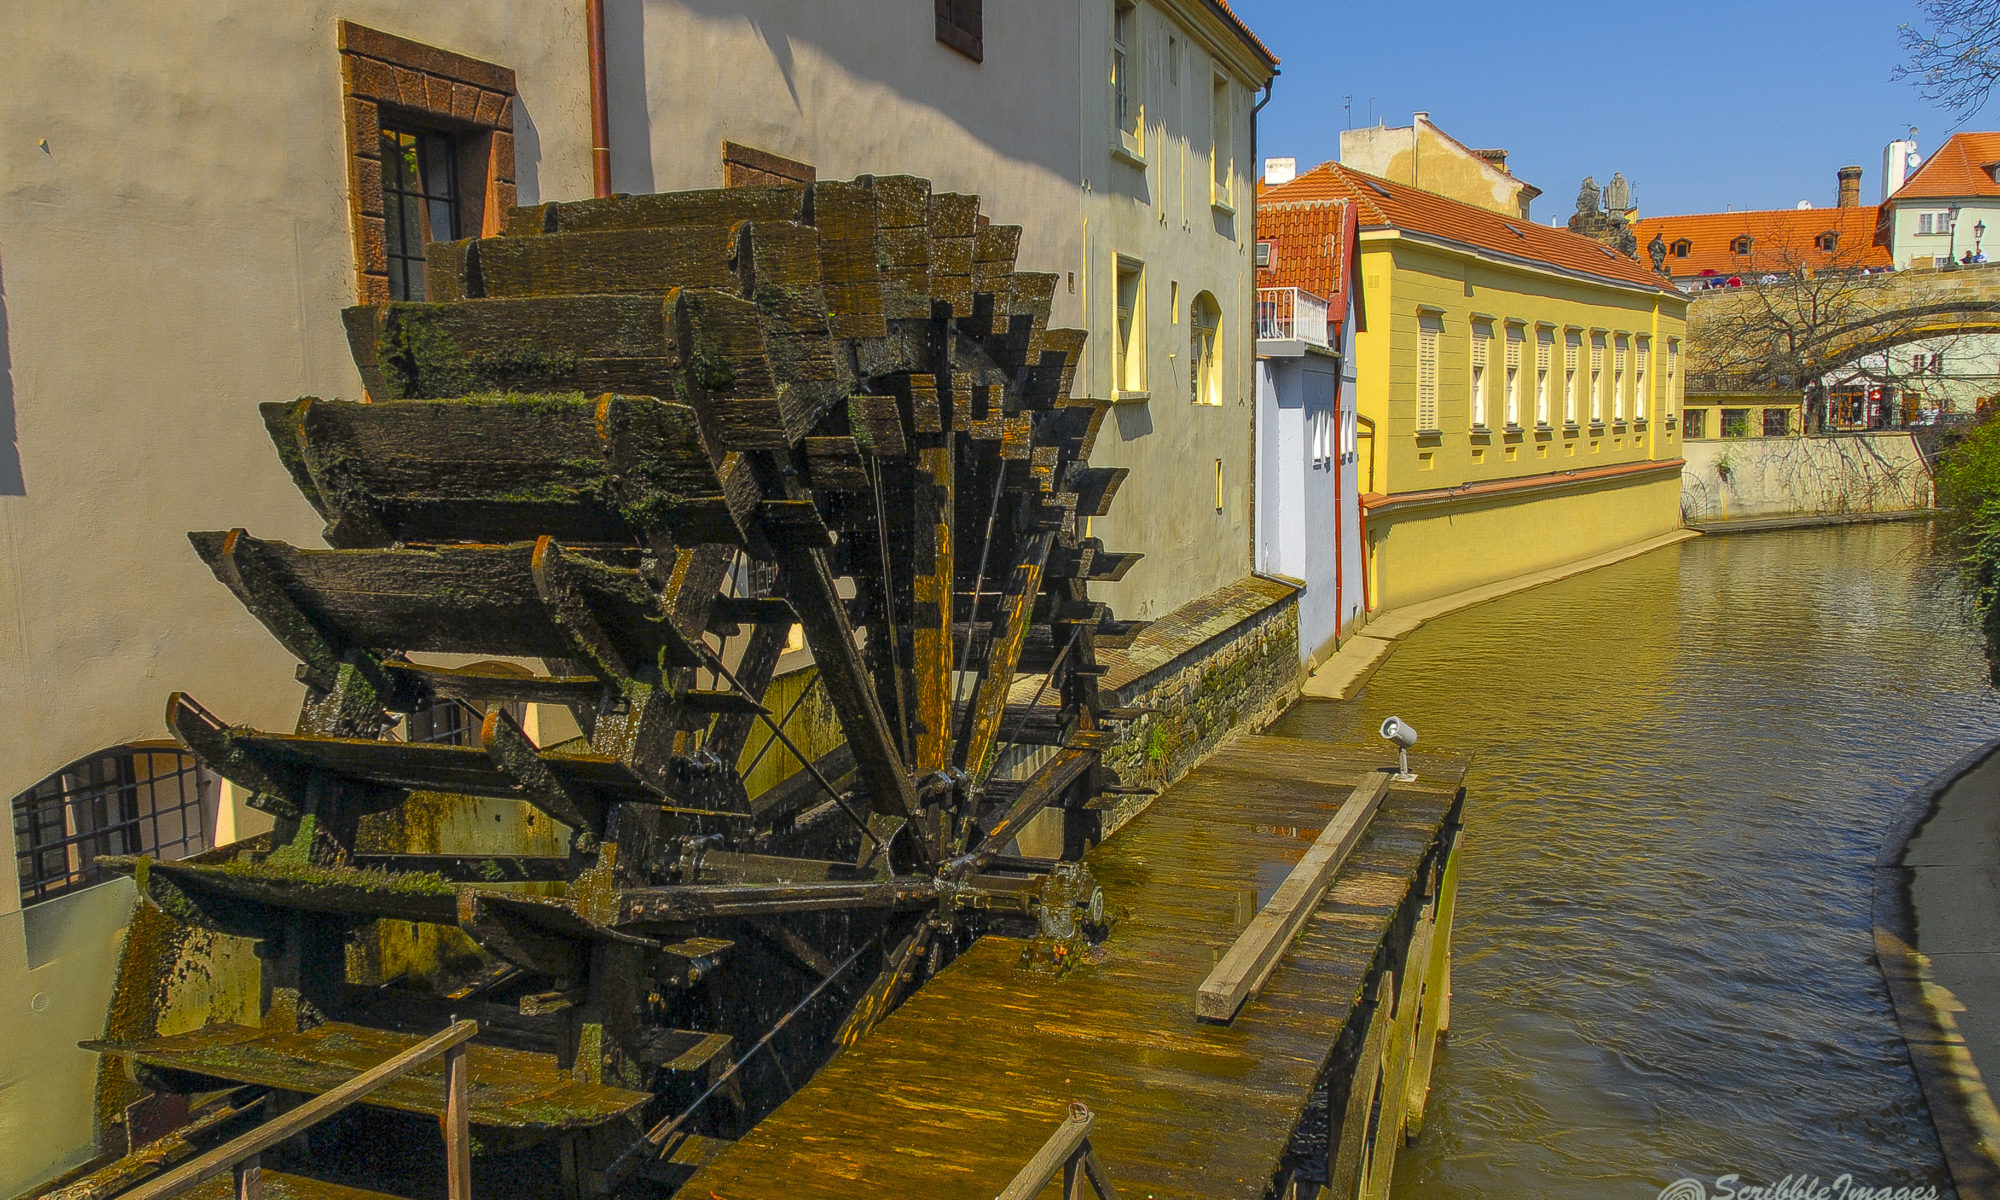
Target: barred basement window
point(419, 203)
point(126, 800)
point(1777, 422)
point(960, 24)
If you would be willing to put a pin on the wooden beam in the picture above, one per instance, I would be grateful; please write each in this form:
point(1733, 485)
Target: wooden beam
point(1047, 784)
point(1249, 962)
point(846, 677)
point(989, 698)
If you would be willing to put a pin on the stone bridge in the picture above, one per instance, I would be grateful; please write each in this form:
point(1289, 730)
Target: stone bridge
point(1805, 327)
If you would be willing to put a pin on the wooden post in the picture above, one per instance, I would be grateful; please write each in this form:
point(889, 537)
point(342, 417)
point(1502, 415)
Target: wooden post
point(250, 1178)
point(457, 1126)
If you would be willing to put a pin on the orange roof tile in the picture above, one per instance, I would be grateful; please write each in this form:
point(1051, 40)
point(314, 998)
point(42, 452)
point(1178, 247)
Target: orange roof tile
point(1312, 248)
point(1381, 204)
point(1243, 31)
point(1963, 166)
point(1781, 240)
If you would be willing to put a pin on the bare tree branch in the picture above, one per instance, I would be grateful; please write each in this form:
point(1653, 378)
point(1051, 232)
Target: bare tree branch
point(1954, 54)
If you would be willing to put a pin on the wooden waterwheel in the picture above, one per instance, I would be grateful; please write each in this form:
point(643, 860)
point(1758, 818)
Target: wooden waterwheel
point(633, 446)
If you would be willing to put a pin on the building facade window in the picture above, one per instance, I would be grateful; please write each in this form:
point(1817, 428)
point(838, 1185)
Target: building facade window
point(1618, 352)
point(1683, 248)
point(1322, 437)
point(419, 203)
point(1572, 344)
point(1428, 328)
point(1597, 379)
point(1544, 350)
point(1204, 354)
point(1125, 103)
point(1735, 422)
point(1777, 422)
point(430, 154)
point(1642, 399)
point(1221, 153)
point(1696, 423)
point(1672, 404)
point(126, 800)
point(1264, 254)
point(961, 25)
point(1482, 340)
point(1740, 244)
point(1828, 241)
point(1129, 367)
point(1516, 337)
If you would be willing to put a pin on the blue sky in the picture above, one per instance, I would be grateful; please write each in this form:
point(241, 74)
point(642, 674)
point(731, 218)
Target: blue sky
point(1702, 105)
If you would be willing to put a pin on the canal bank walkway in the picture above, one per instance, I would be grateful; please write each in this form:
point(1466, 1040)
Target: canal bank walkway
point(954, 1092)
point(1937, 937)
point(1343, 673)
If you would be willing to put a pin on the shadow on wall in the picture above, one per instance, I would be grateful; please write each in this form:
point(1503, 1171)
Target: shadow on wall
point(625, 85)
point(12, 483)
point(833, 31)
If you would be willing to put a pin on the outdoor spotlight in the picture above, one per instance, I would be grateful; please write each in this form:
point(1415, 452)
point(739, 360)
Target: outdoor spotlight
point(1399, 731)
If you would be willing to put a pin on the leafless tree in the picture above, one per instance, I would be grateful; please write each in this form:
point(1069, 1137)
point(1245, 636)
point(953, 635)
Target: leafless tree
point(1806, 317)
point(1954, 54)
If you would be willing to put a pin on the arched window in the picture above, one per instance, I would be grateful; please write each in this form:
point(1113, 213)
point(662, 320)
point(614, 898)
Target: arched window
point(147, 798)
point(1682, 248)
point(1740, 244)
point(1204, 357)
point(1828, 241)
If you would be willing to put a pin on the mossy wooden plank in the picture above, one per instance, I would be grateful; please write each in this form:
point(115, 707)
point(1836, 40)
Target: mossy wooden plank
point(708, 206)
point(509, 1089)
point(603, 261)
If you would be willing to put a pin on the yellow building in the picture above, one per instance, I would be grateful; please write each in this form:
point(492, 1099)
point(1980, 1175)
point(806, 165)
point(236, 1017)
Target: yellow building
point(1518, 390)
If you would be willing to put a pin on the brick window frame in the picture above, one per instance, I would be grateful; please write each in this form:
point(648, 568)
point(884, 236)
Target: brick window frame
point(747, 166)
point(408, 84)
point(961, 25)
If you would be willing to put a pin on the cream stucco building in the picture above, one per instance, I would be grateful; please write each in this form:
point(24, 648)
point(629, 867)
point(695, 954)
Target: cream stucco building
point(188, 201)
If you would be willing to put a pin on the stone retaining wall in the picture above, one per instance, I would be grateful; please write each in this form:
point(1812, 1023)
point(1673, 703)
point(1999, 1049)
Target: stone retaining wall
point(1753, 478)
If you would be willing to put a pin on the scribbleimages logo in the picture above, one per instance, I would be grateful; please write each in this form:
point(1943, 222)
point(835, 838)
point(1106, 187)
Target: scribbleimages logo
point(1684, 1189)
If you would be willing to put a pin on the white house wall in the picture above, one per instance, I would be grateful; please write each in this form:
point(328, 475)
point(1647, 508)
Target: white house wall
point(1157, 211)
point(859, 89)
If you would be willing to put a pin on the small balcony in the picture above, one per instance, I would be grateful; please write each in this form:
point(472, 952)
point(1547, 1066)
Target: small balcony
point(1290, 315)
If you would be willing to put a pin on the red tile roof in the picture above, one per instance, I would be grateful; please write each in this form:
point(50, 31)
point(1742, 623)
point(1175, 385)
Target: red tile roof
point(1781, 240)
point(1243, 31)
point(1381, 204)
point(1312, 248)
point(1963, 166)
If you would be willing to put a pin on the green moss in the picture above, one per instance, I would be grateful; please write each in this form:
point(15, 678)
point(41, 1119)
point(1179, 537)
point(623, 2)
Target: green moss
point(712, 371)
point(422, 361)
point(310, 877)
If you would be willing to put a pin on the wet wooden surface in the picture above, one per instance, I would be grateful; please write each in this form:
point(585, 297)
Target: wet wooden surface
point(507, 1088)
point(953, 1093)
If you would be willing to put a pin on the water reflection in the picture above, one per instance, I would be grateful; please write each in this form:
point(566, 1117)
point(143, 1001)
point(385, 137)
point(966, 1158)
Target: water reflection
point(1685, 766)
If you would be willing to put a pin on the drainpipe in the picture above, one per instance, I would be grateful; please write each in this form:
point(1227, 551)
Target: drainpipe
point(1360, 513)
point(600, 108)
point(1251, 175)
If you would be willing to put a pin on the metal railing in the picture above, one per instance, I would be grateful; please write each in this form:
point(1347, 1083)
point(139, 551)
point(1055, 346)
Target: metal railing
point(1067, 1150)
point(1291, 314)
point(243, 1155)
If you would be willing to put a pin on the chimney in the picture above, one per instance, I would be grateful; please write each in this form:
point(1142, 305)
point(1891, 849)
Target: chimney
point(1850, 188)
point(1280, 170)
point(1420, 118)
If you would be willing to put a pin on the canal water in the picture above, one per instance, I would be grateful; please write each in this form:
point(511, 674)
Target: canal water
point(1686, 764)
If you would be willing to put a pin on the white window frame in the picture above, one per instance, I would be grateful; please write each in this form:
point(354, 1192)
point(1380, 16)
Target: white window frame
point(1572, 352)
point(1642, 399)
point(1545, 342)
point(1481, 359)
point(1517, 336)
point(1620, 350)
point(1597, 379)
point(1428, 330)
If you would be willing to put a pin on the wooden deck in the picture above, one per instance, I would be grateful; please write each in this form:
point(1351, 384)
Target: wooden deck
point(954, 1092)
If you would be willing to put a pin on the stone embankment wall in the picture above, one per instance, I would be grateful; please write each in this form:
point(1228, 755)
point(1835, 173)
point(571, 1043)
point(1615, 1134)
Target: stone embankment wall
point(1742, 479)
point(1225, 663)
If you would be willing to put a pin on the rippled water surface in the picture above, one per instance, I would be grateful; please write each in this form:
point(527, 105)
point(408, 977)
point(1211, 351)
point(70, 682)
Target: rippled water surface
point(1685, 767)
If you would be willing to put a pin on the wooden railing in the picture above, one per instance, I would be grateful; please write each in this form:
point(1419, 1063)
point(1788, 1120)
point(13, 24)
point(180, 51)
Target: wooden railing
point(1067, 1150)
point(243, 1155)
